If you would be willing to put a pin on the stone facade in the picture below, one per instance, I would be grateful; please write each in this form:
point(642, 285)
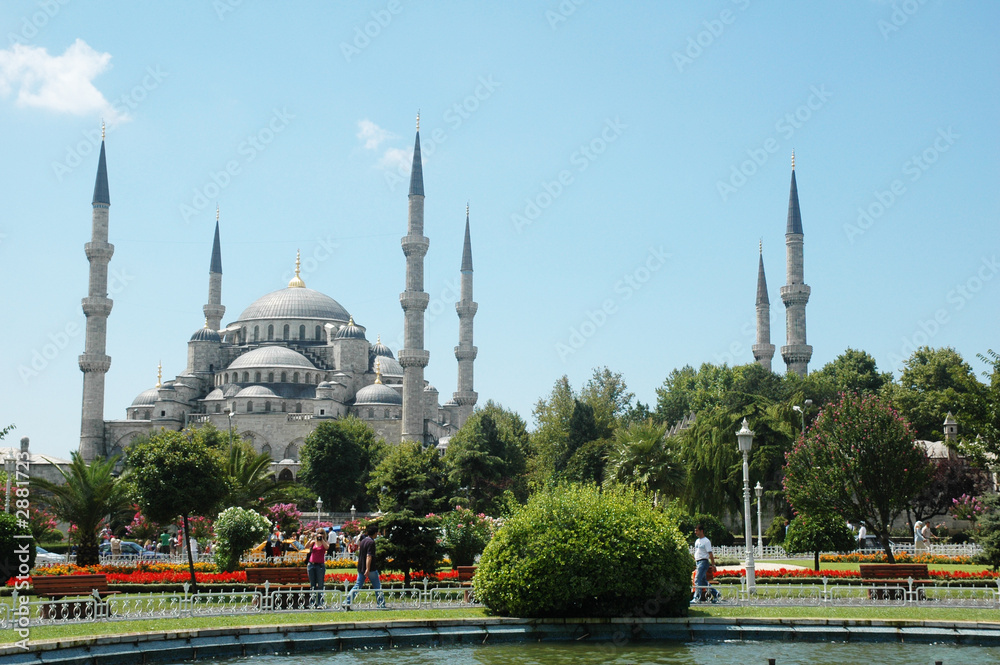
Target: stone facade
point(291, 359)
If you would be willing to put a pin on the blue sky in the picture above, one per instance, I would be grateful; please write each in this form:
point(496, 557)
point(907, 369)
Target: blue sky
point(621, 162)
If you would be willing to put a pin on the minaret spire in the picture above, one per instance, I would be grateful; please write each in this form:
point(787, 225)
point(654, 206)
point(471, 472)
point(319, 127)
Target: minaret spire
point(215, 310)
point(94, 362)
point(795, 294)
point(413, 357)
point(763, 350)
point(465, 352)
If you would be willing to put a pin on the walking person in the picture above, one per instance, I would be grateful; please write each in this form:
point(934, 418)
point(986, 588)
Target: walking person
point(920, 533)
point(704, 561)
point(366, 568)
point(316, 567)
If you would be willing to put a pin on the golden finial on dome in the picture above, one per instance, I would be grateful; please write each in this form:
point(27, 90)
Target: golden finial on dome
point(793, 159)
point(378, 371)
point(206, 321)
point(297, 282)
point(350, 320)
point(378, 340)
point(159, 375)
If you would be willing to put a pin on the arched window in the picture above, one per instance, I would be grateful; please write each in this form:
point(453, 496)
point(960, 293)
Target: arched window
point(284, 332)
point(270, 377)
point(243, 336)
point(256, 333)
point(308, 377)
point(211, 367)
point(371, 413)
point(387, 413)
point(282, 407)
point(256, 377)
point(246, 377)
point(267, 407)
point(292, 451)
point(270, 332)
point(295, 377)
point(319, 333)
point(284, 377)
point(249, 407)
point(218, 408)
point(302, 332)
point(298, 407)
point(285, 476)
point(147, 414)
point(265, 449)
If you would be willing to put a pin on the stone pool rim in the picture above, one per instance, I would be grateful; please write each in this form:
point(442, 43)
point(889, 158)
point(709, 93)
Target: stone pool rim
point(236, 641)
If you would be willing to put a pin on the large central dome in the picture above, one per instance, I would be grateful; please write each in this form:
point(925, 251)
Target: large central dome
point(295, 303)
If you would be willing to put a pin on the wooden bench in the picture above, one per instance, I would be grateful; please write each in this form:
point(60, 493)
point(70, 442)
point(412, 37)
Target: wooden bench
point(465, 575)
point(288, 578)
point(61, 586)
point(894, 575)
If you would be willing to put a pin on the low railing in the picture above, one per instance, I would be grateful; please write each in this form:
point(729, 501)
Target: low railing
point(34, 611)
point(777, 552)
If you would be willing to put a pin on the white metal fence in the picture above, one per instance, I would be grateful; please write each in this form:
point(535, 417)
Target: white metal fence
point(778, 552)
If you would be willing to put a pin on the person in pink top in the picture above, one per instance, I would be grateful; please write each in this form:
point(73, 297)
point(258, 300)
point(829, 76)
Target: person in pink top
point(316, 566)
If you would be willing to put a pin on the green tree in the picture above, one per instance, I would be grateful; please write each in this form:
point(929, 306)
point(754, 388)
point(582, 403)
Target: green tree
point(87, 495)
point(854, 371)
point(934, 382)
point(178, 473)
point(642, 456)
point(251, 481)
point(858, 459)
point(822, 532)
point(237, 530)
point(411, 485)
point(989, 532)
point(486, 458)
point(606, 393)
point(337, 460)
point(586, 448)
point(550, 439)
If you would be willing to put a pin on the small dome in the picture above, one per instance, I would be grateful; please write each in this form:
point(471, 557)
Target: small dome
point(450, 403)
point(350, 331)
point(271, 356)
point(256, 391)
point(430, 389)
point(146, 398)
point(389, 365)
point(381, 349)
point(216, 394)
point(205, 335)
point(378, 393)
point(230, 390)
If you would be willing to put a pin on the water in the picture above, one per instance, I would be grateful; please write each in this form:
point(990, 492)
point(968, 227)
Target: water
point(716, 653)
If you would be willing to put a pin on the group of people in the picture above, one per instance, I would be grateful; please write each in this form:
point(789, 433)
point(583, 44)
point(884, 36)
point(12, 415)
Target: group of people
point(317, 548)
point(337, 543)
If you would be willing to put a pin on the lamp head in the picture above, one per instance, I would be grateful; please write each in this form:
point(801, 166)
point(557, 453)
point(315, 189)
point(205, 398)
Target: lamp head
point(745, 437)
point(759, 489)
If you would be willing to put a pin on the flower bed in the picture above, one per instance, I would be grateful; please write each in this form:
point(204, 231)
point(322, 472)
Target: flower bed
point(205, 573)
point(902, 557)
point(806, 574)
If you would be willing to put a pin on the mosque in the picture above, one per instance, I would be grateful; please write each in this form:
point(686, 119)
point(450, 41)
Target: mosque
point(291, 359)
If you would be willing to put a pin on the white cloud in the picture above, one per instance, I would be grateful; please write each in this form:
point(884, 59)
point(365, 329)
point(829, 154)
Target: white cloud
point(372, 134)
point(62, 83)
point(396, 159)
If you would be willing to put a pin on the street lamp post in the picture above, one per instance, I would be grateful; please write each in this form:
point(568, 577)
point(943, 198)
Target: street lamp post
point(802, 412)
point(7, 459)
point(745, 439)
point(352, 512)
point(232, 412)
point(319, 510)
point(760, 532)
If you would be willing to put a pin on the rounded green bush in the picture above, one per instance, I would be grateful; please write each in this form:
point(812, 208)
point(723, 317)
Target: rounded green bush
point(578, 551)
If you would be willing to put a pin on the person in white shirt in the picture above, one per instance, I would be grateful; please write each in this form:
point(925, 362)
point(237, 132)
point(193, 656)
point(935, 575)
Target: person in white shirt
point(862, 532)
point(703, 561)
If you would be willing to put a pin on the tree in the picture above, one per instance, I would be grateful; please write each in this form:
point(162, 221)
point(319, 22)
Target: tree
point(950, 479)
point(237, 530)
point(935, 382)
point(989, 532)
point(822, 532)
point(251, 481)
point(486, 458)
point(337, 460)
point(610, 399)
point(551, 436)
point(986, 449)
point(643, 457)
point(858, 459)
point(178, 473)
point(854, 371)
point(411, 485)
point(87, 495)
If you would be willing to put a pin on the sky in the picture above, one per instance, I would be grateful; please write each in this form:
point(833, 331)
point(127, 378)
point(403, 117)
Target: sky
point(621, 163)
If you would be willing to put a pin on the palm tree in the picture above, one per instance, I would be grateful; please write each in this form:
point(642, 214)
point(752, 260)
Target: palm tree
point(642, 456)
point(88, 495)
point(251, 477)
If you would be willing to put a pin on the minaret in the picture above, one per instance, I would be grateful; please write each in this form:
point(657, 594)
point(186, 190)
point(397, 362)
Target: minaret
point(763, 350)
point(795, 294)
point(215, 310)
point(413, 357)
point(94, 363)
point(465, 352)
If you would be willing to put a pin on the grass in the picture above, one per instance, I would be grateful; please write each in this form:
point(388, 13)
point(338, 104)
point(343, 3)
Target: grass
point(862, 613)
